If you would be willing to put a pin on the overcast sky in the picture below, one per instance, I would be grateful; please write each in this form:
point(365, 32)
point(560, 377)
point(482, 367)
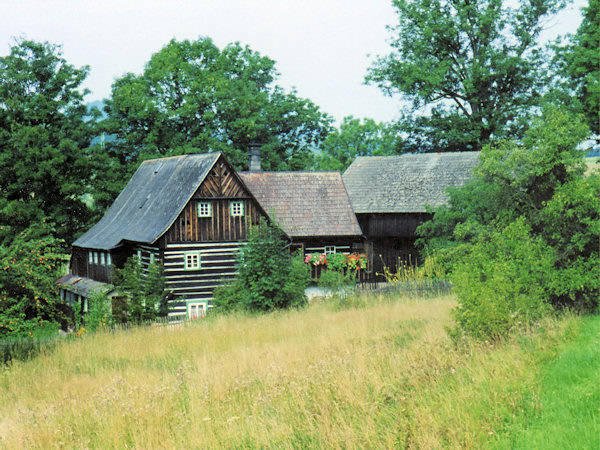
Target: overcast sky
point(321, 47)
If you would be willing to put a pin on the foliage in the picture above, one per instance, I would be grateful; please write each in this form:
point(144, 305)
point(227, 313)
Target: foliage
point(99, 314)
point(477, 66)
point(357, 138)
point(538, 185)
point(269, 277)
point(44, 134)
point(30, 263)
point(503, 282)
point(193, 96)
point(579, 64)
point(145, 290)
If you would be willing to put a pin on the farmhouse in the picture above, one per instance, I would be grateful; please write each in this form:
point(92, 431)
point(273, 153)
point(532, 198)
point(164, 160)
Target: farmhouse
point(391, 195)
point(193, 213)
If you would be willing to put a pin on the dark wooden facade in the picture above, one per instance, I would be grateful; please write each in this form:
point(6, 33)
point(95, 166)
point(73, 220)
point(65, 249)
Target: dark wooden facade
point(391, 238)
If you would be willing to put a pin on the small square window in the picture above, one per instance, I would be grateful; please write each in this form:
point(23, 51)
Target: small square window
point(204, 209)
point(330, 249)
point(236, 209)
point(191, 260)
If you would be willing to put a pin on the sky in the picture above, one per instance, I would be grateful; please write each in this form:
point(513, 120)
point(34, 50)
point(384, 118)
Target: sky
point(322, 48)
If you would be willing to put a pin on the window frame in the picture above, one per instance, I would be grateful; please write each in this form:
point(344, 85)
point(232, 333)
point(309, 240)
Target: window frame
point(192, 254)
point(236, 208)
point(330, 249)
point(209, 209)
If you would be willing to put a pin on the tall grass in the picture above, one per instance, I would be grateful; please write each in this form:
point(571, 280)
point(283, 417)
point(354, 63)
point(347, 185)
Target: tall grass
point(380, 375)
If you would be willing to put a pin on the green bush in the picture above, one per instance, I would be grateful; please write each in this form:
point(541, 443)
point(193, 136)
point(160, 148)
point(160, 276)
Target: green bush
point(269, 277)
point(145, 292)
point(502, 282)
point(99, 313)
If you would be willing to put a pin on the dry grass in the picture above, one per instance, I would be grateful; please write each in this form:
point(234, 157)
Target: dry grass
point(383, 375)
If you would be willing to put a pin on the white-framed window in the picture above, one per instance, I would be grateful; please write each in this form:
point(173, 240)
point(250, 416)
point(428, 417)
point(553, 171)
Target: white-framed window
point(236, 209)
point(330, 249)
point(196, 310)
point(191, 260)
point(95, 257)
point(204, 209)
point(103, 258)
point(139, 255)
point(90, 257)
point(108, 259)
point(151, 257)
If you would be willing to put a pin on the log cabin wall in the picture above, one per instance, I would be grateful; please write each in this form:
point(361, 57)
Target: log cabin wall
point(201, 249)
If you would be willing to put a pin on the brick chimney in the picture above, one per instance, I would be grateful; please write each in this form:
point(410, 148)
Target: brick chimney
point(254, 165)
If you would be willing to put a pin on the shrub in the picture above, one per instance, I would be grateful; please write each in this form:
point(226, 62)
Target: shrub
point(99, 313)
point(502, 282)
point(145, 291)
point(269, 277)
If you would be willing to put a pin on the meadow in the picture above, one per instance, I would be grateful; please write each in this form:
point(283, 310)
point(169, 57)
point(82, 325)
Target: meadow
point(381, 372)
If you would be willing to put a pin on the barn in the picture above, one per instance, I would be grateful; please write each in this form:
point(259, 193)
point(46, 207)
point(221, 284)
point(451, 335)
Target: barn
point(391, 196)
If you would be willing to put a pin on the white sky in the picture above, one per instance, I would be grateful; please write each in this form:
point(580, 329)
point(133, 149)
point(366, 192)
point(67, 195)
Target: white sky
point(321, 47)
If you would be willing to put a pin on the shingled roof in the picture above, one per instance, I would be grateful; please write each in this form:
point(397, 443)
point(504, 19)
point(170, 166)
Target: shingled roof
point(150, 202)
point(305, 203)
point(406, 183)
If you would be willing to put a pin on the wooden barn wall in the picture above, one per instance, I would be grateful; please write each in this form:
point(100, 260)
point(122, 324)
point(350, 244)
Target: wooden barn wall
point(220, 188)
point(391, 225)
point(218, 263)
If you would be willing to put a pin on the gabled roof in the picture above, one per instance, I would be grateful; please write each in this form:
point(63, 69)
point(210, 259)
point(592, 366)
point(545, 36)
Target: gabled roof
point(305, 203)
point(406, 183)
point(150, 202)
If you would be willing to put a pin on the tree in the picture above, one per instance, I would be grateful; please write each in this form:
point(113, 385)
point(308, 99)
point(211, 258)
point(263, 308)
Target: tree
point(44, 171)
point(31, 261)
point(535, 194)
point(269, 277)
point(193, 97)
point(474, 65)
point(357, 138)
point(579, 64)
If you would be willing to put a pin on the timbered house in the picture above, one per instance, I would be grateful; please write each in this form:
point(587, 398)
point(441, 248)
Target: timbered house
point(193, 212)
point(391, 195)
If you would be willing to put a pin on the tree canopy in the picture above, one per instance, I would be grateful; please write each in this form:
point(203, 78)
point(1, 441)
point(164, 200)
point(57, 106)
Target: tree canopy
point(474, 67)
point(579, 64)
point(195, 97)
point(356, 137)
point(44, 135)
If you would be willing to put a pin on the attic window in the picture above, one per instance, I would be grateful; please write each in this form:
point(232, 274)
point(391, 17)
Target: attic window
point(236, 209)
point(191, 260)
point(204, 209)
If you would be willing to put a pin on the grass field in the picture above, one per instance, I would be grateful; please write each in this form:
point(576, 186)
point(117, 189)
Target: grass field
point(382, 374)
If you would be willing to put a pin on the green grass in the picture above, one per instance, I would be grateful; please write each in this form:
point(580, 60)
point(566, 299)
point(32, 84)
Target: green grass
point(567, 413)
point(381, 372)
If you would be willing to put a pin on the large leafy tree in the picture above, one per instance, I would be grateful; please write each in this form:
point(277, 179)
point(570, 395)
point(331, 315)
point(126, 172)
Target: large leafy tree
point(195, 97)
point(44, 134)
point(471, 68)
point(525, 230)
point(579, 64)
point(357, 137)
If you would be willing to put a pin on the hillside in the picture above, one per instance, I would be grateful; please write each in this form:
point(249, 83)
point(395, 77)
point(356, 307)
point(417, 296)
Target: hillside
point(381, 374)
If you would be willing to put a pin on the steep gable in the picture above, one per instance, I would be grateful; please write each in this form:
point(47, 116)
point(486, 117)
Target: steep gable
point(150, 202)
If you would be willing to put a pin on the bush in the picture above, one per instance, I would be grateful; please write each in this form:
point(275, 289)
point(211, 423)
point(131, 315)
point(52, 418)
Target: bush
point(99, 313)
point(502, 282)
point(146, 292)
point(269, 277)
